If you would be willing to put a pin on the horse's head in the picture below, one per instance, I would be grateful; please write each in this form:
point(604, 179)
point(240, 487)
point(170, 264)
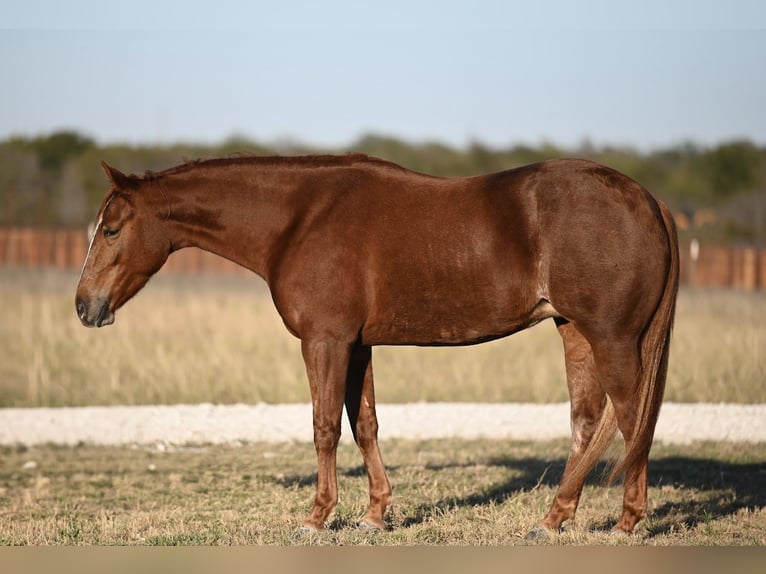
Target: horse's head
point(127, 246)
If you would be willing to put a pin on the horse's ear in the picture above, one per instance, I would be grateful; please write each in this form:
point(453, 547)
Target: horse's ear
point(117, 178)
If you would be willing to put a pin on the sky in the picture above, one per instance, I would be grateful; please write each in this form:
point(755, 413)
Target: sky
point(647, 74)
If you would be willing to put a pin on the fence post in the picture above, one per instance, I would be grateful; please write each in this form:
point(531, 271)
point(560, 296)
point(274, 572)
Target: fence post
point(694, 254)
point(762, 269)
point(4, 233)
point(749, 270)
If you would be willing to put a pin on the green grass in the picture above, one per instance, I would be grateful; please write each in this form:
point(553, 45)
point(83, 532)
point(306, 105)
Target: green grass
point(446, 492)
point(219, 339)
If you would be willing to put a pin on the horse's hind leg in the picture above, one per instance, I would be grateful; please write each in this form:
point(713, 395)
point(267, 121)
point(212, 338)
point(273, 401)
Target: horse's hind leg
point(360, 406)
point(619, 366)
point(587, 403)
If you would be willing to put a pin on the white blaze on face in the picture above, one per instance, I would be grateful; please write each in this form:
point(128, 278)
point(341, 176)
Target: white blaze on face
point(93, 236)
point(90, 244)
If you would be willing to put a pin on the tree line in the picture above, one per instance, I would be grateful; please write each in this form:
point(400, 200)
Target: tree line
point(717, 192)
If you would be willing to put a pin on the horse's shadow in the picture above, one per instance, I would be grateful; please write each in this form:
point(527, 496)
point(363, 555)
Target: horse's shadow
point(720, 488)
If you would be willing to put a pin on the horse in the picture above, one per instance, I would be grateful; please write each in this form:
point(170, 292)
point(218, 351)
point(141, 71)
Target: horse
point(358, 252)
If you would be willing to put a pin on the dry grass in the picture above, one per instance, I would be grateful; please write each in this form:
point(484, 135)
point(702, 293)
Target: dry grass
point(446, 493)
point(203, 339)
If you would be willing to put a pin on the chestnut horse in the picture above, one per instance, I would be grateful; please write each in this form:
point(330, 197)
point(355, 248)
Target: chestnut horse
point(360, 252)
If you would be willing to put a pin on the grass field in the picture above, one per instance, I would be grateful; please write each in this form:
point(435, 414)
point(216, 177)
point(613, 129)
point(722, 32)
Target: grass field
point(204, 339)
point(446, 492)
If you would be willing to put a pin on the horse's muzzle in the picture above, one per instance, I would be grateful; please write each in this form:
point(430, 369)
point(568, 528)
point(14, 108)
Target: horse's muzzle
point(97, 315)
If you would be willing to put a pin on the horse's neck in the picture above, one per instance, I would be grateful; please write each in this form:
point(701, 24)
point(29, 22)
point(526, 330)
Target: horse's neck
point(240, 218)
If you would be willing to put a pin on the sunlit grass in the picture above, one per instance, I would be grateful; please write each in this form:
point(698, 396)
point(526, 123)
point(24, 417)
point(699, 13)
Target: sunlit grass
point(220, 340)
point(446, 492)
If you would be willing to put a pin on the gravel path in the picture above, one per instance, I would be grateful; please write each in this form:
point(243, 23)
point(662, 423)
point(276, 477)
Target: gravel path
point(232, 424)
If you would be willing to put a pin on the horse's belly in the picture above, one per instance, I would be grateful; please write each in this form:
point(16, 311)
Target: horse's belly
point(422, 320)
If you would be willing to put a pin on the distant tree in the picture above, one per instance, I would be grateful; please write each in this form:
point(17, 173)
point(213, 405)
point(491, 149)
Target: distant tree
point(55, 149)
point(733, 167)
point(22, 189)
point(484, 158)
point(70, 196)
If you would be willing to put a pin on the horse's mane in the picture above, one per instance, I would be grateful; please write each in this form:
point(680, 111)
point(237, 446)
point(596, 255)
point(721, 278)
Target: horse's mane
point(305, 161)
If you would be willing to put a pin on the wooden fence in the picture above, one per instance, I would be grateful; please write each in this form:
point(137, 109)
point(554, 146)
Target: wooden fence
point(715, 267)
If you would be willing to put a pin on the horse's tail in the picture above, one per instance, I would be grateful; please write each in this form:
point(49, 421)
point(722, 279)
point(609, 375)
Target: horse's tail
point(655, 349)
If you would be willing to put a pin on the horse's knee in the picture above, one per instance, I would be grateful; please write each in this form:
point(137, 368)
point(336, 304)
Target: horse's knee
point(326, 437)
point(366, 434)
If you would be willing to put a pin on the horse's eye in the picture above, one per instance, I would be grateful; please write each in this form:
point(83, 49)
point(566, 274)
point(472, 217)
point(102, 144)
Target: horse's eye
point(111, 232)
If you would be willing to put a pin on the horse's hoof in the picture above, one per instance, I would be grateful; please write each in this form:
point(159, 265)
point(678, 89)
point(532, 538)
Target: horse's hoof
point(305, 532)
point(539, 534)
point(367, 525)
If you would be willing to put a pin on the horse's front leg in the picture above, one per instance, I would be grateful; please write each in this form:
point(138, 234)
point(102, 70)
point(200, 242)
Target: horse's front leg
point(326, 365)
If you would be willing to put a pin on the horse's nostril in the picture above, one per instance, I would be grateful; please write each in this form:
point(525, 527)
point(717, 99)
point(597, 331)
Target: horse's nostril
point(82, 309)
point(103, 315)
